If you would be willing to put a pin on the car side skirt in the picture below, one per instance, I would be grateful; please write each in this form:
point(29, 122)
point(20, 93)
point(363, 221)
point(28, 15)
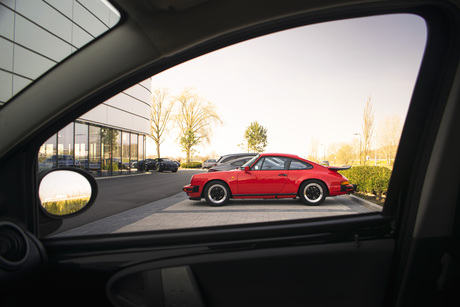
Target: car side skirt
point(289, 195)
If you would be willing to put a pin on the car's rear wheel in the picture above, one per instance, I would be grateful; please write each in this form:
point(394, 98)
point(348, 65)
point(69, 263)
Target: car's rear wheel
point(216, 193)
point(312, 192)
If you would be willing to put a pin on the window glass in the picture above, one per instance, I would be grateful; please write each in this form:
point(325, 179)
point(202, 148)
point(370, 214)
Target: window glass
point(66, 146)
point(47, 154)
point(81, 145)
point(239, 162)
point(297, 164)
point(125, 153)
point(303, 92)
point(141, 151)
point(95, 150)
point(116, 151)
point(258, 165)
point(106, 152)
point(37, 35)
point(135, 151)
point(274, 163)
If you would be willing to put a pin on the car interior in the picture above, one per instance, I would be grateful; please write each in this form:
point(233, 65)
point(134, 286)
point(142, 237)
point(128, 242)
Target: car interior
point(406, 255)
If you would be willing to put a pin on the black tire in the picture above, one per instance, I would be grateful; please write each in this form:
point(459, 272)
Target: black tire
point(312, 192)
point(216, 193)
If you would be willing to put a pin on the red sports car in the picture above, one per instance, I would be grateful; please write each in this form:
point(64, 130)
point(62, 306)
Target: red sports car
point(271, 176)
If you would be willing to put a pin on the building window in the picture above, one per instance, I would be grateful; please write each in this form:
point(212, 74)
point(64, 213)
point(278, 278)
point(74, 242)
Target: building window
point(134, 152)
point(101, 151)
point(81, 145)
point(95, 150)
point(47, 154)
point(125, 162)
point(141, 148)
point(117, 164)
point(66, 146)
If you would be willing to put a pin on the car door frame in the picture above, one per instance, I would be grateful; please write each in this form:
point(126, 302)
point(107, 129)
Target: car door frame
point(76, 259)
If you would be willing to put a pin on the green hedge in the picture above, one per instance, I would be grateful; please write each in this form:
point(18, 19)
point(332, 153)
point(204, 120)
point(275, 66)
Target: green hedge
point(191, 165)
point(370, 179)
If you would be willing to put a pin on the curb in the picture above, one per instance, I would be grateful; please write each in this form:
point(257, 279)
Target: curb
point(122, 176)
point(366, 203)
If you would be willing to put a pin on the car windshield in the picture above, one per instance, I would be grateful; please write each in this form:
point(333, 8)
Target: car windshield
point(37, 39)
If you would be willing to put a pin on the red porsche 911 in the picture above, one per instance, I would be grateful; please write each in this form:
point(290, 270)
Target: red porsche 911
point(271, 176)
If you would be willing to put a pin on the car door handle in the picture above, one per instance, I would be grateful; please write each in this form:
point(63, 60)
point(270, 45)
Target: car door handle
point(282, 175)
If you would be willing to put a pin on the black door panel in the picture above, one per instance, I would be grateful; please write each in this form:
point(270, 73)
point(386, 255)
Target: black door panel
point(321, 275)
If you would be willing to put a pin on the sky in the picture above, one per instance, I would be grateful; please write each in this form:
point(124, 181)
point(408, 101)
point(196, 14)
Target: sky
point(302, 84)
point(62, 184)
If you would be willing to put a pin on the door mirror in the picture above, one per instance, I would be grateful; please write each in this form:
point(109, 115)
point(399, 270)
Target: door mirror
point(246, 168)
point(66, 192)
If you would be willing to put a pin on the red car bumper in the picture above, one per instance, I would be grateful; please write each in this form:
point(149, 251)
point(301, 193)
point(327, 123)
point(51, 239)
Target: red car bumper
point(193, 191)
point(349, 188)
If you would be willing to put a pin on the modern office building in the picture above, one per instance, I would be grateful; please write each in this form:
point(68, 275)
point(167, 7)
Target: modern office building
point(109, 139)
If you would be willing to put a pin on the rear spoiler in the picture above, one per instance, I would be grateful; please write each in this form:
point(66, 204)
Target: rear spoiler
point(339, 168)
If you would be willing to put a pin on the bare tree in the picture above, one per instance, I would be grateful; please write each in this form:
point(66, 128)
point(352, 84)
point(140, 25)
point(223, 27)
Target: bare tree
point(367, 128)
point(160, 115)
point(332, 151)
point(389, 135)
point(195, 119)
point(345, 154)
point(314, 149)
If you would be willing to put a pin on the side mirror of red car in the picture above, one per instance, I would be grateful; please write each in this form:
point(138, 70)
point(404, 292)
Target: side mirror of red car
point(246, 168)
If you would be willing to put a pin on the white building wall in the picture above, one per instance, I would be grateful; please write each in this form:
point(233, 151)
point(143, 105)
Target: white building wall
point(36, 42)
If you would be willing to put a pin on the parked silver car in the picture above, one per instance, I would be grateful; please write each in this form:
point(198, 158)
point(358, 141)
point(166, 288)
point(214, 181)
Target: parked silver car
point(209, 163)
point(229, 165)
point(230, 157)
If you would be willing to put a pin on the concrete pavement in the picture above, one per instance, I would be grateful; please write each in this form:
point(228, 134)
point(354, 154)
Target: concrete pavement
point(178, 211)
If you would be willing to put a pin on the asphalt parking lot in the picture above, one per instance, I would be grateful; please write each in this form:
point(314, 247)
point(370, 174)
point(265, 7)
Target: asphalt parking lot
point(177, 211)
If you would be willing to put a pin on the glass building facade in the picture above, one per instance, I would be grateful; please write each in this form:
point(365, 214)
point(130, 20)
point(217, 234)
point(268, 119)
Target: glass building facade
point(106, 141)
point(100, 150)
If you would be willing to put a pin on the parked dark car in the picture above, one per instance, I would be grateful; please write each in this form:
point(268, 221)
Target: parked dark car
point(145, 165)
point(229, 165)
point(163, 164)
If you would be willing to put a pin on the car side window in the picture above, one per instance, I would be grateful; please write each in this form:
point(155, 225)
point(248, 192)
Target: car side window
point(274, 163)
point(369, 65)
point(258, 165)
point(298, 165)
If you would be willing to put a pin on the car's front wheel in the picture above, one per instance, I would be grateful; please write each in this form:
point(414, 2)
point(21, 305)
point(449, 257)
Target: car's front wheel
point(217, 193)
point(312, 192)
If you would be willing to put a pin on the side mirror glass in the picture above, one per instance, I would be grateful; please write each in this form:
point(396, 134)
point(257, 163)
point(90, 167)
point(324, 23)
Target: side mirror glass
point(66, 192)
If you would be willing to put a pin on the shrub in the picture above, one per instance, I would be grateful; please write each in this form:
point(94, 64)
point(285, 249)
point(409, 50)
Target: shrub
point(191, 165)
point(64, 207)
point(370, 179)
